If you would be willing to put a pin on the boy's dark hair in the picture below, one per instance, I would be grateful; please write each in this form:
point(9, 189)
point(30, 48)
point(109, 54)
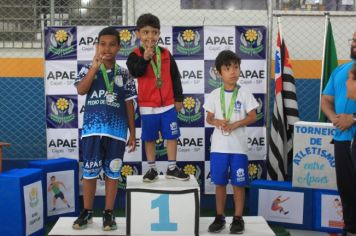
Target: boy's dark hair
point(226, 58)
point(53, 177)
point(109, 31)
point(148, 20)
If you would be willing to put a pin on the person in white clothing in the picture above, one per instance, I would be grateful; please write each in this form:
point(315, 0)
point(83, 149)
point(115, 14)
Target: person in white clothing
point(230, 109)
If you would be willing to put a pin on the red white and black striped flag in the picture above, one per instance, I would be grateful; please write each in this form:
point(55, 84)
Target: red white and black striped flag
point(285, 114)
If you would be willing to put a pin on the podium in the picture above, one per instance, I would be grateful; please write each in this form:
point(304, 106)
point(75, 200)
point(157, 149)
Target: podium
point(164, 207)
point(21, 202)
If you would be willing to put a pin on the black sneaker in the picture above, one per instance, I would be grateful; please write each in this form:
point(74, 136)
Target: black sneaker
point(109, 221)
point(150, 176)
point(217, 225)
point(237, 226)
point(85, 218)
point(177, 173)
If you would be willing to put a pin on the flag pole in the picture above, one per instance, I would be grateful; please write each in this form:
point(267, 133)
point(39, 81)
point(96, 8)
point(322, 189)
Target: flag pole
point(322, 62)
point(279, 21)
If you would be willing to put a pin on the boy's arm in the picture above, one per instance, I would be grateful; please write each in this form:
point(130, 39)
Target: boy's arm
point(131, 123)
point(176, 81)
point(210, 119)
point(249, 119)
point(137, 65)
point(84, 85)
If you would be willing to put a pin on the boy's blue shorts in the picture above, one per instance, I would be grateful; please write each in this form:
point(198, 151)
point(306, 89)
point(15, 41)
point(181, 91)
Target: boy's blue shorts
point(166, 122)
point(102, 152)
point(226, 165)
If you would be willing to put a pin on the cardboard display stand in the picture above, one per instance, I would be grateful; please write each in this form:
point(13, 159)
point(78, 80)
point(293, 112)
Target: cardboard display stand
point(60, 187)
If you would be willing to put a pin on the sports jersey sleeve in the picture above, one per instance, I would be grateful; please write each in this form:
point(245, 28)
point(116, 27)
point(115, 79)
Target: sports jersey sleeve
point(82, 73)
point(137, 65)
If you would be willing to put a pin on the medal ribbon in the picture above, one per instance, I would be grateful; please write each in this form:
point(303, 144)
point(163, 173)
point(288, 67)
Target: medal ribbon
point(157, 67)
point(109, 84)
point(232, 102)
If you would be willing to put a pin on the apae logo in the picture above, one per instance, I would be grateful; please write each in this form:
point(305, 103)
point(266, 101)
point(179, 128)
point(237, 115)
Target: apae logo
point(259, 111)
point(195, 170)
point(126, 170)
point(61, 42)
point(70, 143)
point(161, 148)
point(190, 144)
point(188, 42)
point(251, 42)
point(127, 41)
point(166, 41)
point(58, 145)
point(58, 78)
point(190, 111)
point(88, 42)
point(216, 40)
point(62, 111)
point(192, 75)
point(33, 196)
point(254, 171)
point(214, 80)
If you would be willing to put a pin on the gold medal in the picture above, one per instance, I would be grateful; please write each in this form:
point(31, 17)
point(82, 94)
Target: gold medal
point(159, 83)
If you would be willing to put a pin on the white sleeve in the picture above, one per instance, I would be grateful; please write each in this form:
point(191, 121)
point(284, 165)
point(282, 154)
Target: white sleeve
point(209, 103)
point(250, 102)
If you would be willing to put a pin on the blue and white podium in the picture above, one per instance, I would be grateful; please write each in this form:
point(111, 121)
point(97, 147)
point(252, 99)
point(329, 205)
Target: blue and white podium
point(60, 186)
point(21, 202)
point(164, 207)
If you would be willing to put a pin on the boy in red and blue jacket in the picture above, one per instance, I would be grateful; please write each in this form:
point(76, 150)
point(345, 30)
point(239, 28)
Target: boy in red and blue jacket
point(160, 95)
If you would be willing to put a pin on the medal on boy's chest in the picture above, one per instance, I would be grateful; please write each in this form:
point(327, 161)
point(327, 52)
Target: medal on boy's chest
point(156, 67)
point(110, 98)
point(159, 82)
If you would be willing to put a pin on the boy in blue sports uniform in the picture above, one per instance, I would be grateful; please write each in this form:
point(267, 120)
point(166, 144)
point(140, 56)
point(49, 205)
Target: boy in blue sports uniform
point(109, 112)
point(230, 109)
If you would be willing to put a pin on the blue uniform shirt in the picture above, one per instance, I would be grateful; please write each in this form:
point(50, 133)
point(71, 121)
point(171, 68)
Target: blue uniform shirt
point(336, 87)
point(103, 118)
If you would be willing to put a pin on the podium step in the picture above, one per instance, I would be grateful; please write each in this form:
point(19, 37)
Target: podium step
point(255, 226)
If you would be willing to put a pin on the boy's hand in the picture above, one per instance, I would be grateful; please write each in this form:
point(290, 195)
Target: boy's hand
point(230, 127)
point(179, 106)
point(220, 124)
point(98, 59)
point(131, 143)
point(149, 51)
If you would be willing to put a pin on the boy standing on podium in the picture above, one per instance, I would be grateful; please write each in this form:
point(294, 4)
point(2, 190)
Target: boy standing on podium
point(109, 112)
point(160, 95)
point(230, 109)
